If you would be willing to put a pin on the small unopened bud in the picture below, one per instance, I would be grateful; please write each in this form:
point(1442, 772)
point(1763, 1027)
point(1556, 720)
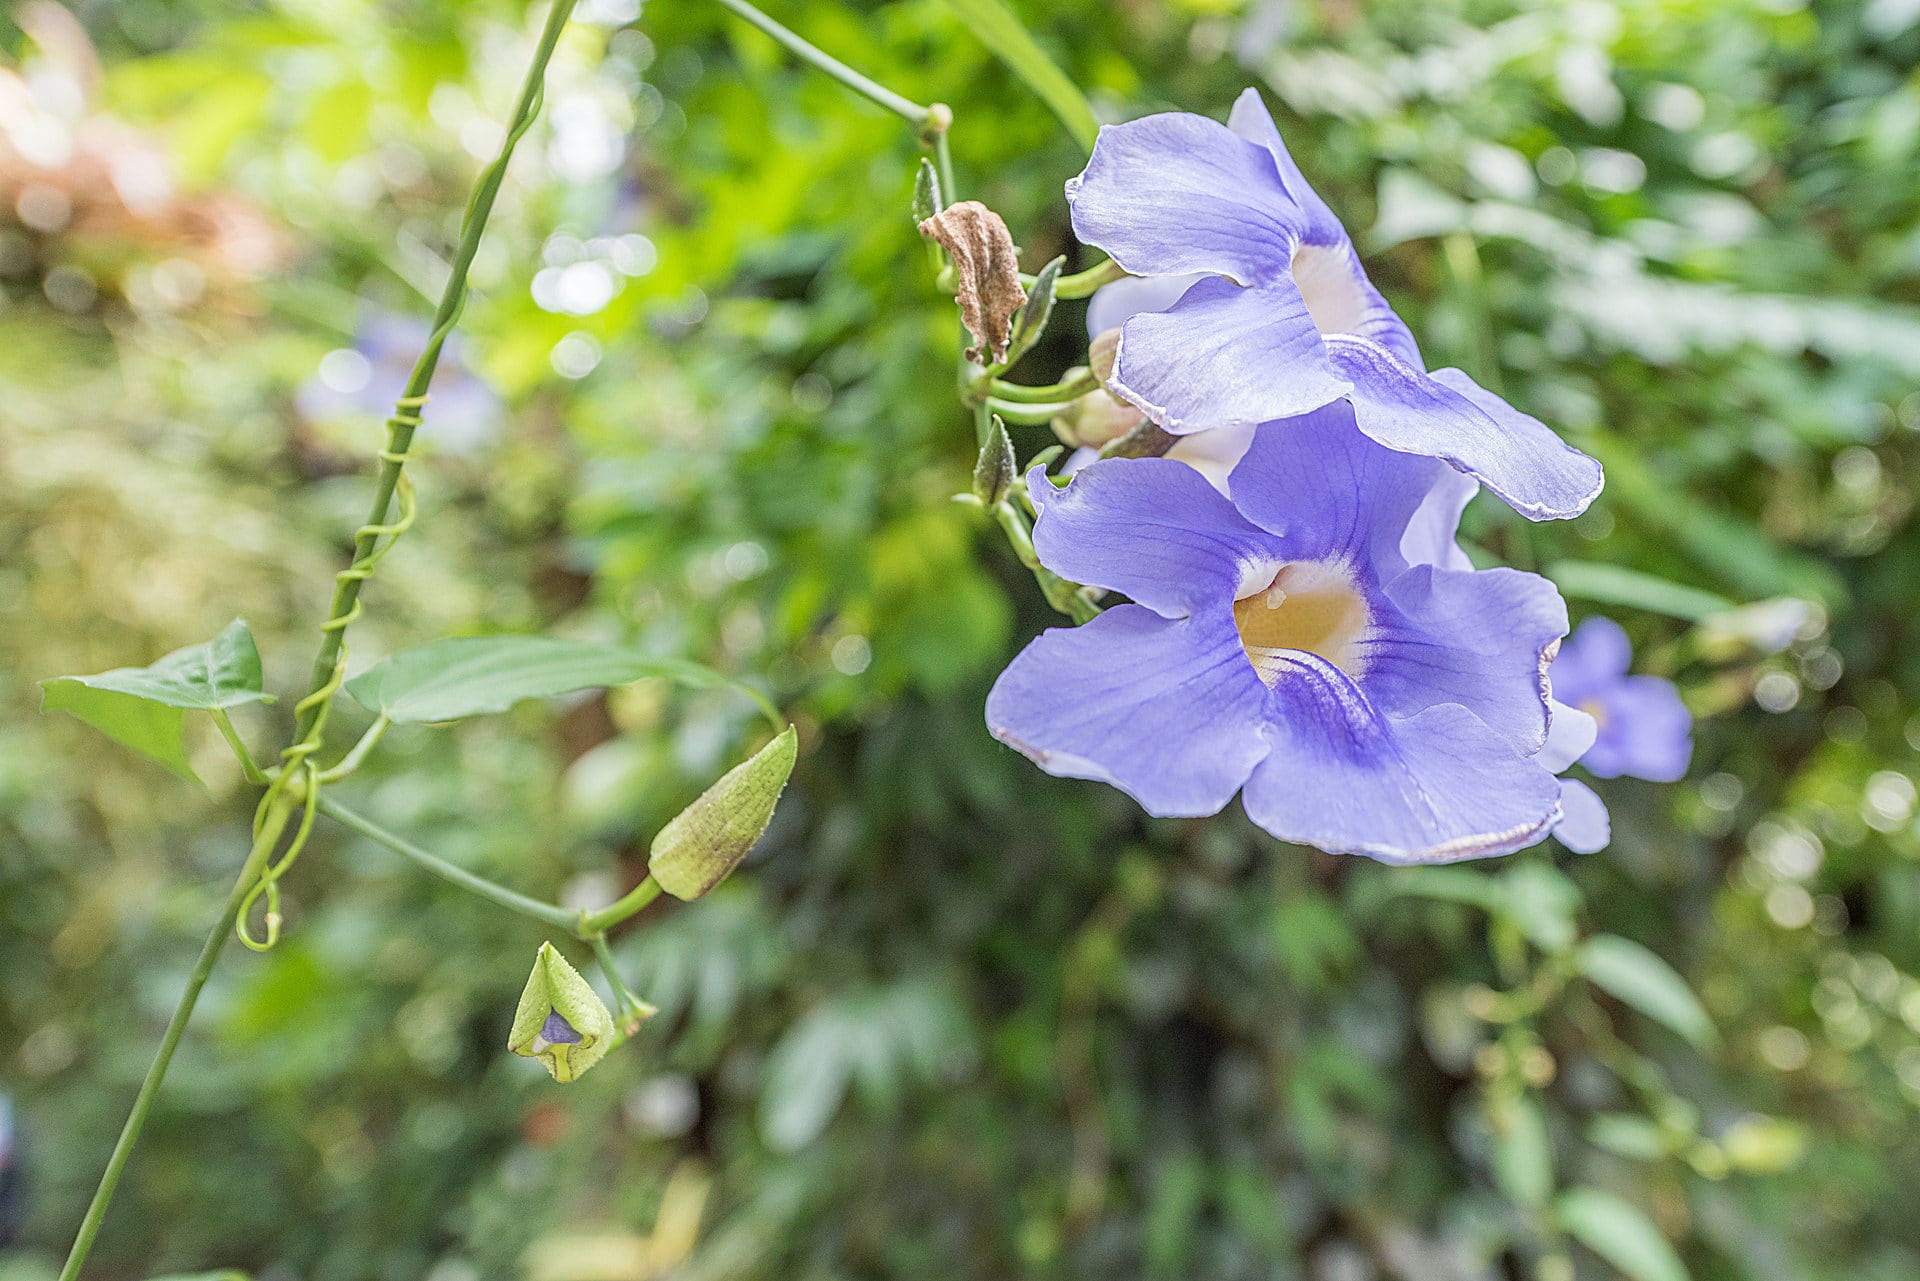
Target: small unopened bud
point(561, 1020)
point(993, 471)
point(707, 840)
point(986, 273)
point(926, 192)
point(1096, 419)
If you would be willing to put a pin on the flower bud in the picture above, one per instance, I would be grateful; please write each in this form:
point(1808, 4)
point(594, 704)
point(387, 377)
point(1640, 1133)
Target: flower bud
point(1101, 353)
point(561, 1020)
point(707, 840)
point(993, 471)
point(1096, 419)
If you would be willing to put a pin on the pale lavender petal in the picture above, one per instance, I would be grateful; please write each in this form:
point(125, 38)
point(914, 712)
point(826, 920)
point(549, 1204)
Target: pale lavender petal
point(1476, 638)
point(1432, 788)
point(1114, 305)
point(1432, 536)
point(1167, 710)
point(1517, 457)
point(1330, 491)
point(1178, 193)
point(1151, 528)
point(1645, 731)
point(1378, 322)
point(1224, 356)
point(1593, 658)
point(1569, 736)
point(1586, 828)
point(1214, 454)
point(1251, 120)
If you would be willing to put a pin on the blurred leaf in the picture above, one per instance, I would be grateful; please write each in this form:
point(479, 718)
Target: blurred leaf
point(1618, 1233)
point(1618, 585)
point(1631, 973)
point(997, 27)
point(1451, 885)
point(1626, 1135)
point(807, 1078)
point(1541, 903)
point(141, 707)
point(477, 675)
point(1522, 1153)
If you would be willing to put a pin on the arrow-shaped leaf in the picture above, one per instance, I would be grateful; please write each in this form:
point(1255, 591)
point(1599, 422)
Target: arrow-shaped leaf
point(144, 707)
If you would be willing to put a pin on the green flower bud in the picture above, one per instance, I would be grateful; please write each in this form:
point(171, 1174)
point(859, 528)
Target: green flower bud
point(993, 471)
point(926, 193)
point(561, 1020)
point(707, 840)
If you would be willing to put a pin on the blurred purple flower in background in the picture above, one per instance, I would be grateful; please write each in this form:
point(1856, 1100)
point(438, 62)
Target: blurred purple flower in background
point(1317, 640)
point(1641, 726)
point(365, 379)
point(1280, 319)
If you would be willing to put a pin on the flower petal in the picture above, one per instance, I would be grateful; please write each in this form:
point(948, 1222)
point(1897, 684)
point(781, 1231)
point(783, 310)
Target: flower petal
point(1432, 788)
point(1177, 193)
point(1586, 829)
point(1432, 536)
point(1330, 491)
point(1478, 638)
point(1570, 733)
point(1167, 710)
point(1645, 731)
point(1115, 304)
point(1445, 415)
point(1152, 528)
point(1225, 356)
point(1594, 657)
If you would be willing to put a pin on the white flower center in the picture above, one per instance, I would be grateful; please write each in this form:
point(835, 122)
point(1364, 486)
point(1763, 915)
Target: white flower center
point(1310, 605)
point(1326, 279)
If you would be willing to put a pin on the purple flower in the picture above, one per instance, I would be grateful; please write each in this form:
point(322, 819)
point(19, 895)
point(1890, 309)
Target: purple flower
point(1641, 726)
point(1316, 643)
point(462, 411)
point(1280, 319)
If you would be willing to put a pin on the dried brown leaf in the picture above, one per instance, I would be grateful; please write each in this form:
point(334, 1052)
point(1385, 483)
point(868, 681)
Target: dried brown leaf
point(987, 272)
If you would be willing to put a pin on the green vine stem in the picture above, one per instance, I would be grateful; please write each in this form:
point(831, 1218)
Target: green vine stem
point(592, 923)
point(329, 664)
point(905, 108)
point(264, 842)
point(1024, 394)
point(548, 913)
point(259, 873)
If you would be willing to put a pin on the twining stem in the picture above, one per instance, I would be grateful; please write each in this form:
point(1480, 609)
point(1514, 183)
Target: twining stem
point(1024, 414)
point(401, 427)
point(614, 913)
point(906, 109)
point(549, 913)
point(1052, 393)
point(263, 847)
point(351, 761)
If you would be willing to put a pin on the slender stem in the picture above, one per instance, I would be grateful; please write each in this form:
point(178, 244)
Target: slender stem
point(1069, 598)
point(1026, 415)
point(263, 846)
point(401, 427)
point(252, 769)
point(902, 107)
point(614, 913)
point(1082, 283)
point(1020, 393)
point(351, 761)
point(549, 913)
point(633, 1011)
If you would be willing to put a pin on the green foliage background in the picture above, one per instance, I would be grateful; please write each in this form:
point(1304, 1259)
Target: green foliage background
point(958, 1019)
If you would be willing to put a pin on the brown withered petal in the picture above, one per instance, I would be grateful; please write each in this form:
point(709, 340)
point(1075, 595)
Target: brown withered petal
point(986, 269)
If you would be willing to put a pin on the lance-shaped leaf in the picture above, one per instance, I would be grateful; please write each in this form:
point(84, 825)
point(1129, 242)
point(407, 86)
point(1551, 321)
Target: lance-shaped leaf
point(993, 471)
point(927, 198)
point(145, 707)
point(561, 1020)
point(1032, 320)
point(1636, 976)
point(986, 272)
point(997, 27)
point(1619, 1233)
point(707, 840)
point(477, 675)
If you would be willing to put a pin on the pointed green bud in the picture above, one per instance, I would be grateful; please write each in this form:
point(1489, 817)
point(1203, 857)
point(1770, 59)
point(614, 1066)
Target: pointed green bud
point(561, 1020)
point(926, 192)
point(707, 840)
point(993, 471)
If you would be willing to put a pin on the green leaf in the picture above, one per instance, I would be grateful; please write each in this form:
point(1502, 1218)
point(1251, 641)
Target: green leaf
point(144, 707)
point(1522, 1153)
point(1450, 885)
point(1541, 904)
point(1001, 31)
point(1629, 972)
point(1618, 585)
point(477, 675)
point(1618, 1233)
